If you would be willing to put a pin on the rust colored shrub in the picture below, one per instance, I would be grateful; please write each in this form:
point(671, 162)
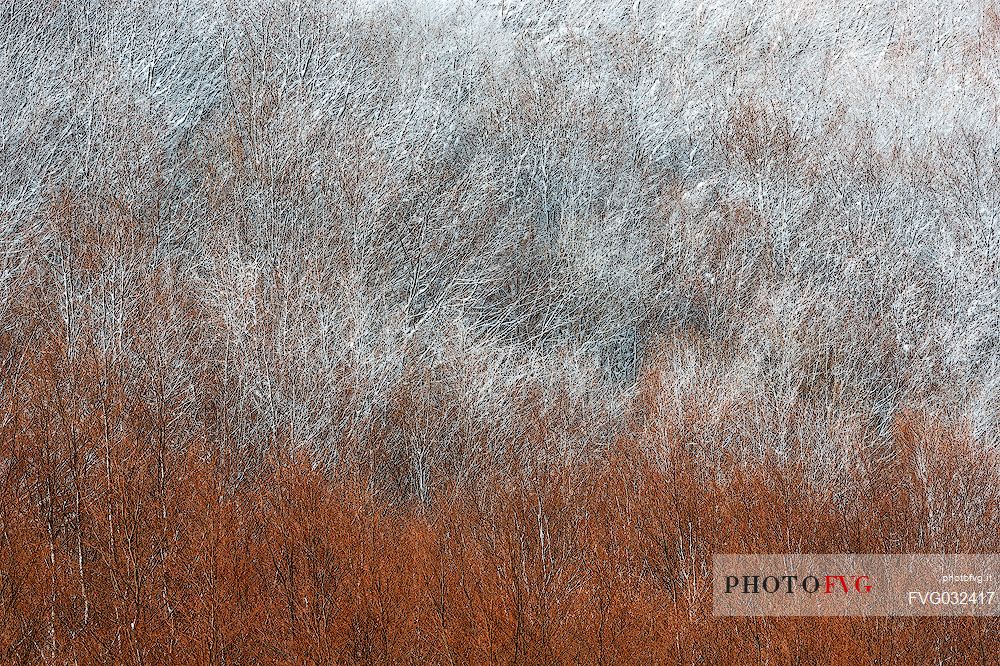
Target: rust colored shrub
point(122, 547)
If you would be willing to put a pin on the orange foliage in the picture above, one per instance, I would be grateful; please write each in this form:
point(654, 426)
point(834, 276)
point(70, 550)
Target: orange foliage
point(123, 541)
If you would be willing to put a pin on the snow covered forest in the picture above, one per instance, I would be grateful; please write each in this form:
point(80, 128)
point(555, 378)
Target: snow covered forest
point(467, 331)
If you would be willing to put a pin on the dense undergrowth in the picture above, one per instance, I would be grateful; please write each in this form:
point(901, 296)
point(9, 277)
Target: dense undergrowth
point(467, 333)
point(128, 539)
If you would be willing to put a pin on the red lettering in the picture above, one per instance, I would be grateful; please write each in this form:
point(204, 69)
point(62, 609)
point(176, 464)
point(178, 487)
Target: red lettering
point(830, 580)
